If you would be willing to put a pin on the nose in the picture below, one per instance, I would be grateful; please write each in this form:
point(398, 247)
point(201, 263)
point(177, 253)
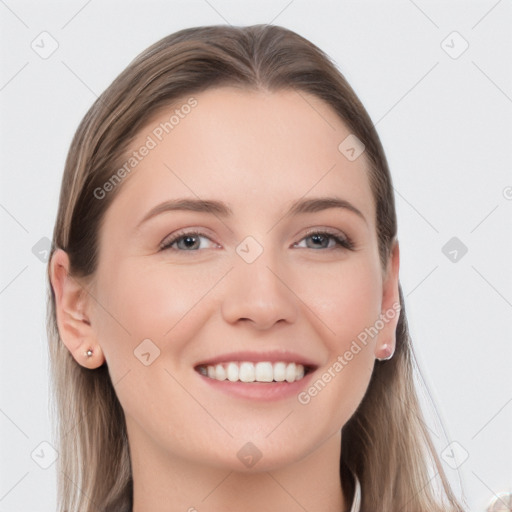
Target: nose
point(259, 293)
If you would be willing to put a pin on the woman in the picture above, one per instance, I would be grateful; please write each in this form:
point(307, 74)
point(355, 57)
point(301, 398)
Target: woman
point(227, 327)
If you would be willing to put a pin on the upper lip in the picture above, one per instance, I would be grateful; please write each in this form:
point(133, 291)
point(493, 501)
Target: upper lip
point(271, 356)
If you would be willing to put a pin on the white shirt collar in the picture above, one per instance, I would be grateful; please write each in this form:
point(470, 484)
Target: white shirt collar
point(356, 503)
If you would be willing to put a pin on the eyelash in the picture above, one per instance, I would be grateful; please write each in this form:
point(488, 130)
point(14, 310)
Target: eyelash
point(342, 243)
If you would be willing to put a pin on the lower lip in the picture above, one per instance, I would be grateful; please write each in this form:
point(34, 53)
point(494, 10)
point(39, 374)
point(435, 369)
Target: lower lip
point(262, 391)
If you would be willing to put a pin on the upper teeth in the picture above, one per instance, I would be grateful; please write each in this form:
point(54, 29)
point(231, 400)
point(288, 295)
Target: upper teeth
point(251, 372)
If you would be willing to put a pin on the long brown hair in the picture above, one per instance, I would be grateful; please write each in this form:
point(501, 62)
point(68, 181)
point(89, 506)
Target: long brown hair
point(386, 442)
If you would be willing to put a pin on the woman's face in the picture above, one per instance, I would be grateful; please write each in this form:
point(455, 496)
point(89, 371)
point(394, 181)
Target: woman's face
point(256, 280)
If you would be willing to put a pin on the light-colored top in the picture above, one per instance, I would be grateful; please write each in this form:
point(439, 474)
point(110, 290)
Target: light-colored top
point(356, 503)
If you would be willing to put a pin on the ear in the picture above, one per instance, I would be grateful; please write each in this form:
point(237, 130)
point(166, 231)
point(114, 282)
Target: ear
point(390, 312)
point(73, 305)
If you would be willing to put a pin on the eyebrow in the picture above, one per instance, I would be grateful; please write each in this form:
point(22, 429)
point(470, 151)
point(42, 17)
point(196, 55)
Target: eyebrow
point(221, 209)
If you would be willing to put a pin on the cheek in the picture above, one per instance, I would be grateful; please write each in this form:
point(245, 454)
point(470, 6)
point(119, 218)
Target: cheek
point(347, 301)
point(346, 298)
point(161, 303)
point(151, 301)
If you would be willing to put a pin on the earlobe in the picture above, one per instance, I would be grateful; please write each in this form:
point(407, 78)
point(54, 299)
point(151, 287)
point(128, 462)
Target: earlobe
point(386, 351)
point(72, 308)
point(390, 308)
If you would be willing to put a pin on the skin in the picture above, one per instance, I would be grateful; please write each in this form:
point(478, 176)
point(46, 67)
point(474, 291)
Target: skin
point(184, 435)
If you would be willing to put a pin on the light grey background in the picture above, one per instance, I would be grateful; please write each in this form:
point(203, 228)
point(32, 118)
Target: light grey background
point(445, 122)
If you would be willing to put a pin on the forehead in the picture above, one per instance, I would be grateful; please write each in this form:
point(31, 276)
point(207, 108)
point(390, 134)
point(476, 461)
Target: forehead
point(251, 149)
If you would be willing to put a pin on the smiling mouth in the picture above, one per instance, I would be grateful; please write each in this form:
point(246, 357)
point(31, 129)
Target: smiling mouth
point(264, 371)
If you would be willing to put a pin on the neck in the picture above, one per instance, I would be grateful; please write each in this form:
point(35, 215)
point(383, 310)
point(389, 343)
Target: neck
point(164, 483)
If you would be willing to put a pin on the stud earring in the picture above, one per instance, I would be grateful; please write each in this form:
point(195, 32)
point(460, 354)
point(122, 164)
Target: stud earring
point(89, 353)
point(388, 353)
